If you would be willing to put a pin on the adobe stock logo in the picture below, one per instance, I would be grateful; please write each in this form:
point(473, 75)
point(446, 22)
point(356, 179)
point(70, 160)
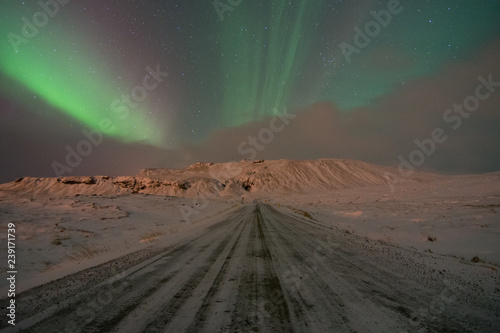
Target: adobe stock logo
point(453, 117)
point(266, 134)
point(373, 28)
point(40, 19)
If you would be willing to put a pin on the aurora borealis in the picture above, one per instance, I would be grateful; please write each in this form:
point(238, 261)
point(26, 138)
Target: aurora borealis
point(70, 77)
point(80, 62)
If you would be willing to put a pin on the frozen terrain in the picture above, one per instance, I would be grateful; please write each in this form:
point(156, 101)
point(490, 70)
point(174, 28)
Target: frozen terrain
point(257, 178)
point(270, 246)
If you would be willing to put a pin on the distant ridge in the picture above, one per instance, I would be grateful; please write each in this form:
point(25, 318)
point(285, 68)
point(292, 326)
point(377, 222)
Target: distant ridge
point(246, 177)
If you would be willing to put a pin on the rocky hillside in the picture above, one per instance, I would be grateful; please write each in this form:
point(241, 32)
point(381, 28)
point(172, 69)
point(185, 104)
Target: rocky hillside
point(280, 177)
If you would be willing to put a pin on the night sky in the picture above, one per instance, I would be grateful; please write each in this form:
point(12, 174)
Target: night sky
point(127, 85)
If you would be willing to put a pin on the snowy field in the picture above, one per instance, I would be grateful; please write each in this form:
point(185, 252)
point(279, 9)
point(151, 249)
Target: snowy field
point(457, 216)
point(60, 232)
point(60, 236)
point(270, 254)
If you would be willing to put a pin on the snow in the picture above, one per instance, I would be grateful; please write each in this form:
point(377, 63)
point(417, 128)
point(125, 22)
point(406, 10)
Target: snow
point(221, 180)
point(456, 215)
point(57, 236)
point(67, 224)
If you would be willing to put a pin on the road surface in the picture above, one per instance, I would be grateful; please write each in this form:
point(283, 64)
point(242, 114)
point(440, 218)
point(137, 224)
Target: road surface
point(264, 269)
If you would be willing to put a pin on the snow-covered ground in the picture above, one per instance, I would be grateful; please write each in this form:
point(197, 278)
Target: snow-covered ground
point(57, 236)
point(339, 224)
point(454, 215)
point(63, 227)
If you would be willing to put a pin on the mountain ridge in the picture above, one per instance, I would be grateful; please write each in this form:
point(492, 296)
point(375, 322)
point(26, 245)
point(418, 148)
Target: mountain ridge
point(246, 177)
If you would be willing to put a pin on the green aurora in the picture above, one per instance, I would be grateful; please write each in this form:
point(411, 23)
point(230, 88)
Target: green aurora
point(50, 67)
point(263, 58)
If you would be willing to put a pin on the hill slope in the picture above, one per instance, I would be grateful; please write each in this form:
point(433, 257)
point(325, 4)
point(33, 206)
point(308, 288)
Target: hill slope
point(260, 177)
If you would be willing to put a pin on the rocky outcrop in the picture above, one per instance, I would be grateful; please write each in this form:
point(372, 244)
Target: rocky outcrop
point(223, 179)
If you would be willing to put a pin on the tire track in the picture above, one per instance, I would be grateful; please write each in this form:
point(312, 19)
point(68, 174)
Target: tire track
point(203, 313)
point(218, 311)
point(314, 305)
point(76, 315)
point(372, 285)
point(255, 309)
point(259, 270)
point(194, 307)
point(339, 280)
point(164, 307)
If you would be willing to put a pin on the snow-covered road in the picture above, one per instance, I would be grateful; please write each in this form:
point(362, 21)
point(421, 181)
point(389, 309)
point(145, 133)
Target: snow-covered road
point(266, 269)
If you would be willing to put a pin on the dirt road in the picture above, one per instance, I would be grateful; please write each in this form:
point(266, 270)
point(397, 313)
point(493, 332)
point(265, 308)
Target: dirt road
point(265, 269)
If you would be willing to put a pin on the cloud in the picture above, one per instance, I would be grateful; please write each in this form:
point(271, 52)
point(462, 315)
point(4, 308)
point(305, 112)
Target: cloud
point(388, 128)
